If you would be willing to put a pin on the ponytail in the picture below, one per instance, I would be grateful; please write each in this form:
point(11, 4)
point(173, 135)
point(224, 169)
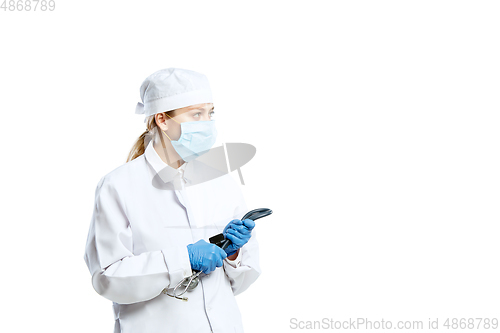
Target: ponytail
point(139, 146)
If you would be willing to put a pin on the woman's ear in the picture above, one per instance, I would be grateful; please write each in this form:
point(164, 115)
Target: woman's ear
point(161, 122)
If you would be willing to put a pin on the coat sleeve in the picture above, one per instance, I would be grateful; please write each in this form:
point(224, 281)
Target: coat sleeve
point(245, 269)
point(118, 274)
point(249, 269)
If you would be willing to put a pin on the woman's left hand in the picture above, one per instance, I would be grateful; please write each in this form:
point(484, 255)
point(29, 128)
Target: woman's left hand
point(239, 233)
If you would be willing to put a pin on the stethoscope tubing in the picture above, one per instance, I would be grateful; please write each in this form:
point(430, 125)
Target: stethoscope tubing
point(252, 215)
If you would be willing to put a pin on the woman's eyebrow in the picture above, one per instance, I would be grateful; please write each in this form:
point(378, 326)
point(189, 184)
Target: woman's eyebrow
point(213, 107)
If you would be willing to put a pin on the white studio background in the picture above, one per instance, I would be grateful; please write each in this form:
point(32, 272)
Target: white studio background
point(376, 125)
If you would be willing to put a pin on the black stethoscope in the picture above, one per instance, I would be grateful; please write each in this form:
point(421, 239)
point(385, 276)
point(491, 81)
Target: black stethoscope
point(192, 281)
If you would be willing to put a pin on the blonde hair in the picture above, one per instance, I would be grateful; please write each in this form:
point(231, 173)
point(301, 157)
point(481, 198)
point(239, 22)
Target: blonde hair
point(151, 133)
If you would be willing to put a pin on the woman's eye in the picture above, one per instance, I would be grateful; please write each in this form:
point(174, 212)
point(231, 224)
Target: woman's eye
point(198, 114)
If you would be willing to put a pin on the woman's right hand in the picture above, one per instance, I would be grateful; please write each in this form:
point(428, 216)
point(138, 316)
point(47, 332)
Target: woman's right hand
point(205, 257)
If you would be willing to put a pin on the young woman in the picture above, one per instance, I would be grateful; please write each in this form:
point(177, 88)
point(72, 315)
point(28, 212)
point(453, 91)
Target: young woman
point(154, 215)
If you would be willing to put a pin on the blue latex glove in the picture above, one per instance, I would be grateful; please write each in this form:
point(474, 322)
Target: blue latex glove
point(239, 233)
point(205, 257)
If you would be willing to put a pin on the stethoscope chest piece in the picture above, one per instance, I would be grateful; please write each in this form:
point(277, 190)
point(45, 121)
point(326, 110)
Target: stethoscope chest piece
point(190, 286)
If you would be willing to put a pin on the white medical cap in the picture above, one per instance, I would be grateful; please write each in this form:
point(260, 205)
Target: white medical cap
point(172, 88)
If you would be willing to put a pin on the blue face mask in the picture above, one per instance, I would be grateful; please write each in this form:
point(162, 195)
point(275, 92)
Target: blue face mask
point(197, 137)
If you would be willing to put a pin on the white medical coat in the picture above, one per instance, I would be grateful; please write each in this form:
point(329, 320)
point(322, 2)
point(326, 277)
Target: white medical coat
point(145, 215)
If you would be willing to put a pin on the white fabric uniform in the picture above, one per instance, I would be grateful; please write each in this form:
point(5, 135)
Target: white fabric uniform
point(145, 215)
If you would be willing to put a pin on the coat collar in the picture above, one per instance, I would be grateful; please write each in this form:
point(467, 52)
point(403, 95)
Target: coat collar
point(207, 167)
point(165, 171)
